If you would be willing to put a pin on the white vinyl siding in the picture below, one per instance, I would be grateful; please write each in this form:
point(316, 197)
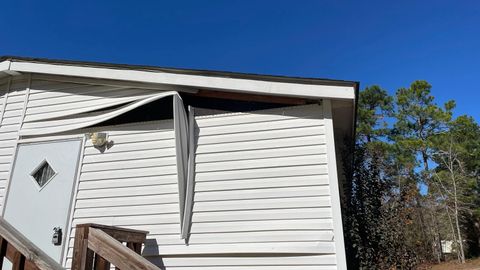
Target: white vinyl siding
point(249, 262)
point(261, 190)
point(13, 99)
point(133, 184)
point(262, 178)
point(262, 198)
point(49, 100)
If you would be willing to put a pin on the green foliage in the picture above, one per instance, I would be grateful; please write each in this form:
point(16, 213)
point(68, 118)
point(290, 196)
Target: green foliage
point(466, 134)
point(390, 223)
point(374, 106)
point(418, 120)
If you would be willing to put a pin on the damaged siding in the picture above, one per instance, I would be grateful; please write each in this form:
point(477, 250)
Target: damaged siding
point(261, 196)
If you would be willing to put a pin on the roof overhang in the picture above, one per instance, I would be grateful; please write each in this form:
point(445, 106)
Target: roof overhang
point(342, 93)
point(224, 81)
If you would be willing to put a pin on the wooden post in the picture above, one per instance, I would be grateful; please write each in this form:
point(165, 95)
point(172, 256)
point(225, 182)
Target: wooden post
point(115, 252)
point(18, 261)
point(3, 251)
point(82, 256)
point(90, 252)
point(101, 263)
point(137, 247)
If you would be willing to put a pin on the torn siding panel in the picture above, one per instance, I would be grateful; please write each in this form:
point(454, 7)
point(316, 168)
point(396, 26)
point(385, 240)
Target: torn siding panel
point(190, 184)
point(274, 205)
point(70, 111)
point(261, 187)
point(49, 100)
point(92, 117)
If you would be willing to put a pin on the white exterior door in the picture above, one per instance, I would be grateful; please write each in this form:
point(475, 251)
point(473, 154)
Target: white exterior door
point(40, 191)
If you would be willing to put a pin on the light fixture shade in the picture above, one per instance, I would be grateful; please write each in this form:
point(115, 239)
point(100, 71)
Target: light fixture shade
point(99, 139)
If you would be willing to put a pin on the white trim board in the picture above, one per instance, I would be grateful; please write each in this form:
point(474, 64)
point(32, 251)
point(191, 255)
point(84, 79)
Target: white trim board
point(5, 66)
point(334, 189)
point(207, 82)
point(5, 100)
point(15, 149)
point(73, 199)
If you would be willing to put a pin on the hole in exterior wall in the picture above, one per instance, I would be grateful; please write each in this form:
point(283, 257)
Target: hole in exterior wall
point(158, 110)
point(163, 108)
point(43, 173)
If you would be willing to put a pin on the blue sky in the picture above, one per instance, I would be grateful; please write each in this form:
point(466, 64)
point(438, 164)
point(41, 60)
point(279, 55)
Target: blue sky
point(390, 43)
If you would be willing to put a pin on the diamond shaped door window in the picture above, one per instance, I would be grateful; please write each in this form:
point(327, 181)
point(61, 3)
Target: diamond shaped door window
point(43, 173)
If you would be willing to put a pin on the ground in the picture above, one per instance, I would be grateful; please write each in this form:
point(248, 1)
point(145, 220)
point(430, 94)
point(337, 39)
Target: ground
point(469, 265)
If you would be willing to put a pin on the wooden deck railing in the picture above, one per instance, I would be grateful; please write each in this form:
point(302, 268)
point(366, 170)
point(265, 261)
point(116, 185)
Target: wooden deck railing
point(98, 246)
point(21, 252)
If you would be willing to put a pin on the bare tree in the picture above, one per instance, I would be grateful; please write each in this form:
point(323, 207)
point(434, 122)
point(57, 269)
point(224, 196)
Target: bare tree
point(451, 179)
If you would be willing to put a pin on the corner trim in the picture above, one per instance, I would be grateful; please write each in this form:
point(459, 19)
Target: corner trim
point(334, 189)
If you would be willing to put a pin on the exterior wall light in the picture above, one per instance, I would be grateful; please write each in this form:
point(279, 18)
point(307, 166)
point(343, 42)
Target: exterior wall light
point(99, 139)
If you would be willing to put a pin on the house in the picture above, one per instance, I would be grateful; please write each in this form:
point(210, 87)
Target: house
point(224, 170)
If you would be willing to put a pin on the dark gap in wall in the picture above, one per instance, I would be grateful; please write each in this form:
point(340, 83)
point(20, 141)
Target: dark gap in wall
point(157, 110)
point(163, 108)
point(227, 104)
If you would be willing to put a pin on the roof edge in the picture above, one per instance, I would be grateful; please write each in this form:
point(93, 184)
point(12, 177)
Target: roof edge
point(199, 72)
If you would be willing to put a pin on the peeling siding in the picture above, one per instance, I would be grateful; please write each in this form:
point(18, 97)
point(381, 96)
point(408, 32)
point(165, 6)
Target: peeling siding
point(261, 190)
point(49, 100)
point(262, 196)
